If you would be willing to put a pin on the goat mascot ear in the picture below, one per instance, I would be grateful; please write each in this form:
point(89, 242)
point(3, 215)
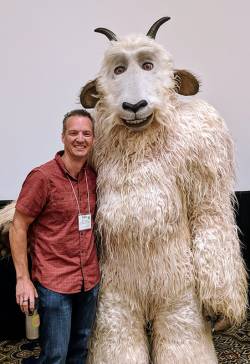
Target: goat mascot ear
point(186, 83)
point(89, 95)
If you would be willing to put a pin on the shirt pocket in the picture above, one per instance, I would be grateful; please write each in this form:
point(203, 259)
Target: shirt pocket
point(65, 206)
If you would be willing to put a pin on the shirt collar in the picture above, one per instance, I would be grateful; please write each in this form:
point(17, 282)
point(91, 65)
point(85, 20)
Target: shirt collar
point(60, 162)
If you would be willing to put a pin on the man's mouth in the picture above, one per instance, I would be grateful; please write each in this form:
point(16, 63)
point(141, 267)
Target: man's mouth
point(138, 123)
point(80, 147)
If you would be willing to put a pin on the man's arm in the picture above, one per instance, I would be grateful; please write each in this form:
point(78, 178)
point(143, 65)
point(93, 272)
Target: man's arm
point(25, 290)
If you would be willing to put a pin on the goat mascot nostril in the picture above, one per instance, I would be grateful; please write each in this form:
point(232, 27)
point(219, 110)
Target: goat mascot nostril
point(170, 254)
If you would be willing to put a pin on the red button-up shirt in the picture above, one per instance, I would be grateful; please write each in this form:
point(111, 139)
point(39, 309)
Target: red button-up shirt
point(64, 259)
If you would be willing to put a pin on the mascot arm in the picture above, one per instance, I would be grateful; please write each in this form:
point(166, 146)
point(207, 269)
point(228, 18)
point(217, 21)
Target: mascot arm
point(6, 217)
point(219, 268)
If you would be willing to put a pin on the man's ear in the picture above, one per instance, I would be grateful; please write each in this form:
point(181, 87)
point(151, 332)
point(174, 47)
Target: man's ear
point(89, 95)
point(186, 83)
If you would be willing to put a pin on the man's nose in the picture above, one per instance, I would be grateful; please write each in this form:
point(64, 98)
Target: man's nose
point(80, 137)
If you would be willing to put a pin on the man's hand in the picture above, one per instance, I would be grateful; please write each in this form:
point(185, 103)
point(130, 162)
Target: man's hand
point(26, 295)
point(25, 290)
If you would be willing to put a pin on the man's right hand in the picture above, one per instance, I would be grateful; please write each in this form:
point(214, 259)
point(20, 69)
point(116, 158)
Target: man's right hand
point(25, 290)
point(26, 294)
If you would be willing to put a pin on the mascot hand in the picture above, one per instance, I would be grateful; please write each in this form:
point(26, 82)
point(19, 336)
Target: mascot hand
point(218, 322)
point(221, 324)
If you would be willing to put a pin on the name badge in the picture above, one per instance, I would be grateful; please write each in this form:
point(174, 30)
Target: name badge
point(84, 222)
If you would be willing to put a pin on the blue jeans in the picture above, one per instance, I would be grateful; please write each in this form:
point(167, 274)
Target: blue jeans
point(66, 324)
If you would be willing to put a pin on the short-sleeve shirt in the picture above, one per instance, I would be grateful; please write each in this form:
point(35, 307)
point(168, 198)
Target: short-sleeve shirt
point(64, 259)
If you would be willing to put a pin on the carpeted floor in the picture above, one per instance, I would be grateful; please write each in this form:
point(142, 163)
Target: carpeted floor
point(232, 346)
point(17, 352)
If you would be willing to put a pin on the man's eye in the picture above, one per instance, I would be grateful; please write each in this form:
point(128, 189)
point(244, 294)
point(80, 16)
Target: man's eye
point(147, 66)
point(118, 70)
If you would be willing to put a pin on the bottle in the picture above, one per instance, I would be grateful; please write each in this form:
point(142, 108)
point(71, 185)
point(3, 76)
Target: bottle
point(32, 323)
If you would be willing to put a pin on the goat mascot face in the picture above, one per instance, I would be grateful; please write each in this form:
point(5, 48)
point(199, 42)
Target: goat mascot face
point(136, 80)
point(170, 255)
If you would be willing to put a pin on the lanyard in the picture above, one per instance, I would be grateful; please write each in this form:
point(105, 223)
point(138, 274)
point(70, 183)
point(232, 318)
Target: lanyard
point(86, 180)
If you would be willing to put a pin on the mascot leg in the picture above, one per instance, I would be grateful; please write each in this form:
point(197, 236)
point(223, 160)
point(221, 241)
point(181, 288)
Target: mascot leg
point(119, 336)
point(180, 334)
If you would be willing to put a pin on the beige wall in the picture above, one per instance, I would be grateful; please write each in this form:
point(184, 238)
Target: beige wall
point(49, 50)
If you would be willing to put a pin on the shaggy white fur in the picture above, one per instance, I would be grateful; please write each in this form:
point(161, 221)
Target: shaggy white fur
point(6, 217)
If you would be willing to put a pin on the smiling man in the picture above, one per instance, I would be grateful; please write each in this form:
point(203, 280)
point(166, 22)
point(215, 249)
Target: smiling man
point(55, 213)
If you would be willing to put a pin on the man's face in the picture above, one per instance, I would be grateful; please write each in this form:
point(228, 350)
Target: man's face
point(78, 137)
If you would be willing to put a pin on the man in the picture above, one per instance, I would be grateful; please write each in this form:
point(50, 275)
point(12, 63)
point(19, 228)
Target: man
point(55, 209)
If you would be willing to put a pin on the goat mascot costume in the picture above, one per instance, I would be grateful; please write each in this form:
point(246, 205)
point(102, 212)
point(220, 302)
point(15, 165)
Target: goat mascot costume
point(170, 255)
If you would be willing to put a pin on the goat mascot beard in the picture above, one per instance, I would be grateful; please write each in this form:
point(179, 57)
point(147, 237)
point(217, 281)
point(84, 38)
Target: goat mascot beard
point(169, 252)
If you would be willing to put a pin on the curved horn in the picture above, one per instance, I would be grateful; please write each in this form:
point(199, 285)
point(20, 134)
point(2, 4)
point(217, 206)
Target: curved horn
point(110, 35)
point(154, 29)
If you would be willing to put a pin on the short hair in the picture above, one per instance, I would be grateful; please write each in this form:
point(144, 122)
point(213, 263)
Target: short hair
point(76, 112)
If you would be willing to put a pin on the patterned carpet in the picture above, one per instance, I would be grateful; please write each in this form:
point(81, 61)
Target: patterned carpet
point(17, 352)
point(232, 346)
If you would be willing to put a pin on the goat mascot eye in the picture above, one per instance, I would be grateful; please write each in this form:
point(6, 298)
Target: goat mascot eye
point(118, 70)
point(147, 66)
